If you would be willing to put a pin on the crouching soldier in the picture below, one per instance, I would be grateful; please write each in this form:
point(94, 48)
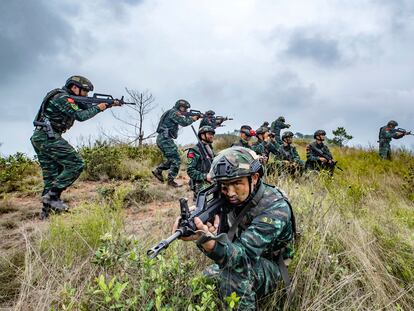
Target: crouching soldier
point(200, 158)
point(318, 155)
point(288, 159)
point(260, 227)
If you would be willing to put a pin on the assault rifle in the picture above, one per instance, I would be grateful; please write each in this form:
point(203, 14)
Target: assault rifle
point(87, 102)
point(209, 203)
point(204, 154)
point(405, 132)
point(192, 113)
point(331, 165)
point(220, 119)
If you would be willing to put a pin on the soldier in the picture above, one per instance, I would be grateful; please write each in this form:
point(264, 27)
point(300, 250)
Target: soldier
point(288, 157)
point(256, 230)
point(386, 134)
point(318, 155)
point(167, 131)
point(210, 120)
point(246, 133)
point(61, 164)
point(264, 146)
point(265, 124)
point(199, 160)
point(277, 126)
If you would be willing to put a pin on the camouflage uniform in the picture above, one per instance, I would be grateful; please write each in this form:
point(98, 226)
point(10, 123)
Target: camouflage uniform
point(61, 164)
point(277, 126)
point(167, 132)
point(197, 169)
point(242, 143)
point(386, 134)
point(248, 263)
point(290, 154)
point(312, 157)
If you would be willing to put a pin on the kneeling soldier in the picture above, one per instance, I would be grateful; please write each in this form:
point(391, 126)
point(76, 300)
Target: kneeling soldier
point(249, 255)
point(288, 158)
point(318, 155)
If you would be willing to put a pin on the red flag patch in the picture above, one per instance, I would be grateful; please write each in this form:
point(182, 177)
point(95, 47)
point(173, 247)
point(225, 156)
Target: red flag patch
point(71, 101)
point(190, 155)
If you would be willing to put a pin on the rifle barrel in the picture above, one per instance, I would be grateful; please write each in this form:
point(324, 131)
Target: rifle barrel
point(154, 251)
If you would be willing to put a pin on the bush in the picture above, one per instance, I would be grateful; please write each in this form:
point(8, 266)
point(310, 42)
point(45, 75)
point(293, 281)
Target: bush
point(17, 173)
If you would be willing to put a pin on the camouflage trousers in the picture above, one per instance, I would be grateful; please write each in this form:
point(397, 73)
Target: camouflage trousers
point(385, 150)
point(61, 164)
point(196, 187)
point(250, 282)
point(170, 152)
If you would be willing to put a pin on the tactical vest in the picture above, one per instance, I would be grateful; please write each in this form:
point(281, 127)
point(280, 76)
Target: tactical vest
point(168, 130)
point(65, 122)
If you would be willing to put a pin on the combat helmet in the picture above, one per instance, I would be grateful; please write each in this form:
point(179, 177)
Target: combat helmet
point(261, 130)
point(205, 129)
point(210, 113)
point(287, 134)
point(281, 119)
point(235, 162)
point(318, 133)
point(392, 123)
point(182, 103)
point(80, 82)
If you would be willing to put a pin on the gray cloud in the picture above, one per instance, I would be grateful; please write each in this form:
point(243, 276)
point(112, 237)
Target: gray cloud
point(29, 31)
point(321, 50)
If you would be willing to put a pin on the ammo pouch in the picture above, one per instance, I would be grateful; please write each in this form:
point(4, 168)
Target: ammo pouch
point(167, 133)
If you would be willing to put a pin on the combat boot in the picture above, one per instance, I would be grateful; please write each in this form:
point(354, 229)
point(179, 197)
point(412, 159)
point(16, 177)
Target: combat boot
point(171, 182)
point(44, 213)
point(54, 202)
point(158, 174)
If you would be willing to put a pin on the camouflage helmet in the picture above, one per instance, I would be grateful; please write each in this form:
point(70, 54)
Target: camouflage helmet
point(318, 133)
point(247, 130)
point(182, 103)
point(210, 113)
point(205, 129)
point(281, 119)
point(261, 130)
point(80, 82)
point(235, 162)
point(287, 134)
point(392, 123)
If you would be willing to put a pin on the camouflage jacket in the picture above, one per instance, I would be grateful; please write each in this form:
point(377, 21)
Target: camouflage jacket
point(386, 134)
point(197, 169)
point(260, 147)
point(242, 143)
point(169, 122)
point(267, 227)
point(289, 153)
point(276, 127)
point(213, 122)
point(62, 111)
point(313, 156)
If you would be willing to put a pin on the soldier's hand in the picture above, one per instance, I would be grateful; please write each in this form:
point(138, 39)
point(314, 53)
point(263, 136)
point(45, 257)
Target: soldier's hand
point(322, 159)
point(195, 118)
point(288, 125)
point(208, 178)
point(102, 106)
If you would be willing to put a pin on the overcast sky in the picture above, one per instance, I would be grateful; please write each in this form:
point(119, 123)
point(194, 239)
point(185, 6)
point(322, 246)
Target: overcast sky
point(321, 64)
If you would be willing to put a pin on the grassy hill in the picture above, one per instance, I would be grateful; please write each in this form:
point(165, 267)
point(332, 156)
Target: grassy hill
point(355, 251)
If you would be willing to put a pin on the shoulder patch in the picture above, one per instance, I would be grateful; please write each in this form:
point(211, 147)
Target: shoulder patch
point(70, 100)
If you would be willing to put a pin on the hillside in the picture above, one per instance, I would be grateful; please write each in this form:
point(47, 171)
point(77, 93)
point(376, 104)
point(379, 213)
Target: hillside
point(355, 251)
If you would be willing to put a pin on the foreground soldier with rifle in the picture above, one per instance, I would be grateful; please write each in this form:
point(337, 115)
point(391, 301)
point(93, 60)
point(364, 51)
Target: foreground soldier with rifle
point(318, 155)
point(200, 158)
point(386, 134)
point(245, 226)
point(61, 164)
point(168, 131)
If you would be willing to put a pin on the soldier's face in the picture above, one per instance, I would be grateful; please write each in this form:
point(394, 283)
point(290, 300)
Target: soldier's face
point(244, 136)
point(208, 137)
point(237, 190)
point(183, 109)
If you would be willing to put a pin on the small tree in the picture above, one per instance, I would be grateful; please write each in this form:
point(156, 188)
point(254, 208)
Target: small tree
point(135, 123)
point(341, 137)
